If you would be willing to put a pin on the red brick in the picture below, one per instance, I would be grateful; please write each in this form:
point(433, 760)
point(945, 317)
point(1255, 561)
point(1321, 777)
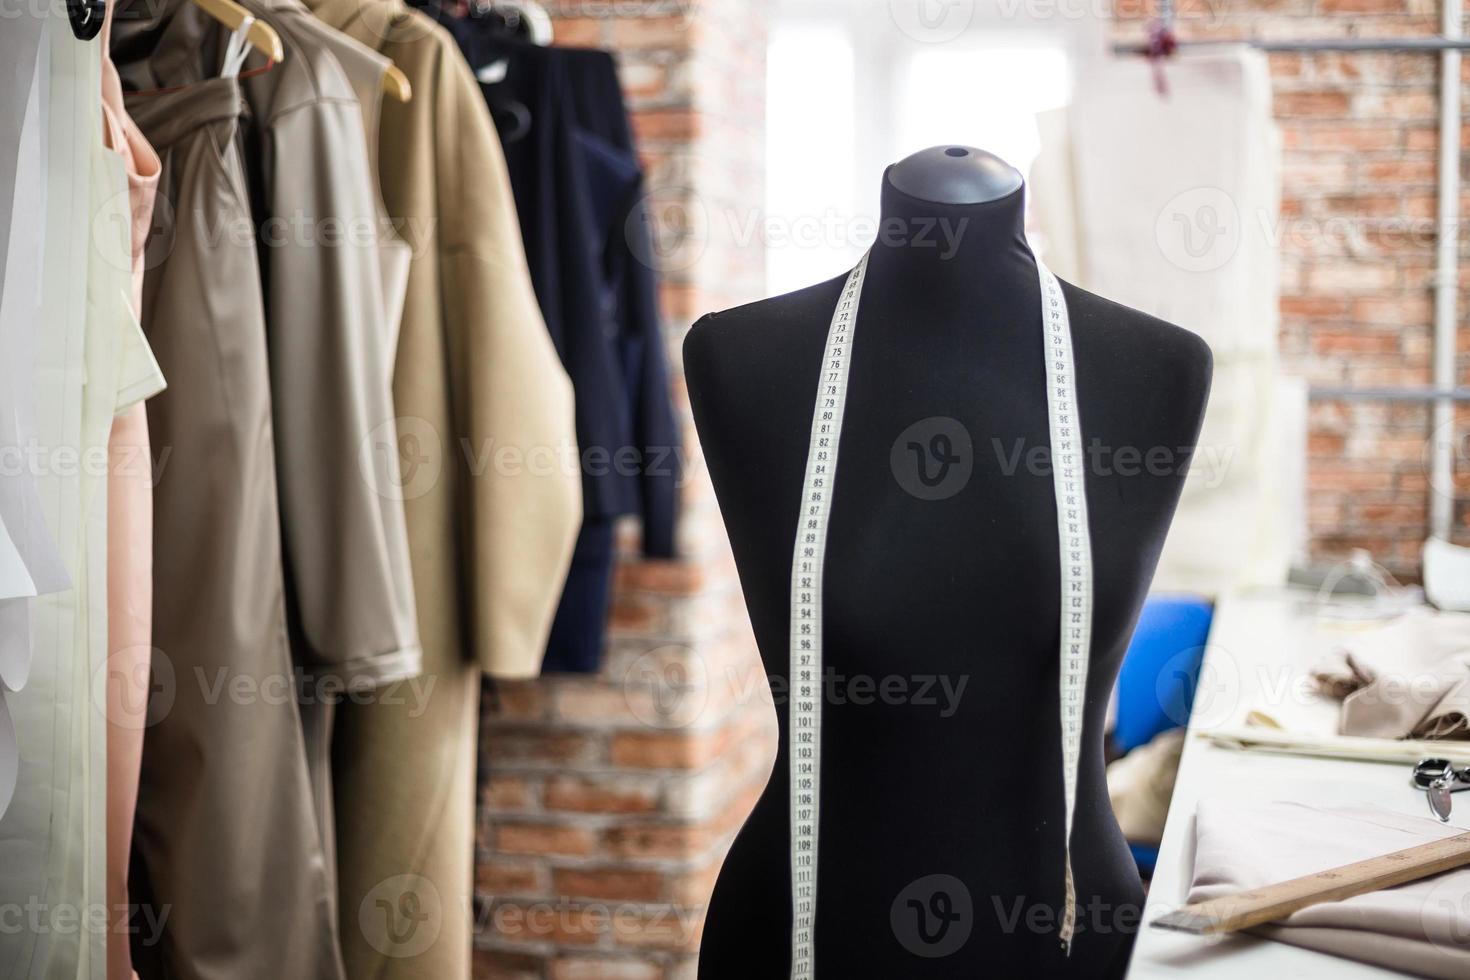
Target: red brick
point(1286, 64)
point(1393, 310)
point(543, 838)
point(664, 750)
point(1355, 341)
point(502, 792)
point(601, 795)
point(1356, 137)
point(500, 876)
point(1363, 205)
point(1360, 6)
point(577, 31)
point(683, 578)
point(666, 124)
point(1315, 307)
point(655, 840)
point(529, 746)
point(496, 964)
point(673, 33)
point(1401, 170)
point(613, 884)
point(1423, 138)
point(604, 968)
point(515, 701)
point(1311, 103)
point(637, 614)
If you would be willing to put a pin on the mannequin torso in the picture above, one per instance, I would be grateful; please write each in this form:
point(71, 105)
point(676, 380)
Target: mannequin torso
point(940, 732)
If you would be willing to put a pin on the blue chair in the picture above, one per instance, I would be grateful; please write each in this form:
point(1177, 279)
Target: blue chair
point(1157, 680)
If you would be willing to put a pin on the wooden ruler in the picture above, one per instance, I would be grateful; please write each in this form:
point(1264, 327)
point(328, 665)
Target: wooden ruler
point(1231, 913)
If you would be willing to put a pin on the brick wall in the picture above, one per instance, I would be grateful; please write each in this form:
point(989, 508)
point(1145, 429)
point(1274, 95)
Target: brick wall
point(1360, 138)
point(607, 802)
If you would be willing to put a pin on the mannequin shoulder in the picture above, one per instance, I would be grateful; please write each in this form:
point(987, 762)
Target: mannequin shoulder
point(1113, 332)
point(732, 349)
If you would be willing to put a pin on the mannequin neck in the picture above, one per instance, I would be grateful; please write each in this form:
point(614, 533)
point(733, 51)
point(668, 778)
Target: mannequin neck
point(924, 243)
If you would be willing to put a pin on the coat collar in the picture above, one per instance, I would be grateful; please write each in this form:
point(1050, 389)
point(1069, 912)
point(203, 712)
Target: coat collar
point(372, 22)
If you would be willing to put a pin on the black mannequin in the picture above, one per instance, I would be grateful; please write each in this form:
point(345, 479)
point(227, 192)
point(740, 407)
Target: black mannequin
point(964, 587)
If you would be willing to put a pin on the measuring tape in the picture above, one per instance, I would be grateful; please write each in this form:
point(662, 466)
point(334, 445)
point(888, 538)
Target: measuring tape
point(804, 729)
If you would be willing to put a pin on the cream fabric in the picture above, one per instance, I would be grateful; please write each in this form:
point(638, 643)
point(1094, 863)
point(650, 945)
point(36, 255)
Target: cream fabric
point(1171, 205)
point(1418, 928)
point(27, 552)
point(91, 362)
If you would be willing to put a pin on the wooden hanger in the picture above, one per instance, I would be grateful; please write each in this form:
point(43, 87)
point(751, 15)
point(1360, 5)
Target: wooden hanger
point(395, 83)
point(264, 39)
point(262, 36)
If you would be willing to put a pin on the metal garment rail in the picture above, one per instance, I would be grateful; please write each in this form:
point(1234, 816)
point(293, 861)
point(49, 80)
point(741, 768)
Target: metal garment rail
point(1442, 393)
point(1430, 44)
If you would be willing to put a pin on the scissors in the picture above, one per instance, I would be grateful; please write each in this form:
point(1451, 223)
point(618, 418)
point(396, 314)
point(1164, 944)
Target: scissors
point(1438, 778)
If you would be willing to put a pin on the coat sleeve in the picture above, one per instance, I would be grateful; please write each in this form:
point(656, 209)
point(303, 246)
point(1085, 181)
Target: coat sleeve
point(655, 429)
point(512, 400)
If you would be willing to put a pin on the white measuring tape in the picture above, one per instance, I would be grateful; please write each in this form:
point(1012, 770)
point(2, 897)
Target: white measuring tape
point(1075, 550)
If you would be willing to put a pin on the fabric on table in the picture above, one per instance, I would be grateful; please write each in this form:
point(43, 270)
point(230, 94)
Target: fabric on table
point(1418, 928)
point(1430, 703)
point(1404, 677)
point(579, 193)
point(490, 544)
point(226, 803)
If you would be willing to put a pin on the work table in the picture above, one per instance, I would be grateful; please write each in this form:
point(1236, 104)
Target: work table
point(1260, 649)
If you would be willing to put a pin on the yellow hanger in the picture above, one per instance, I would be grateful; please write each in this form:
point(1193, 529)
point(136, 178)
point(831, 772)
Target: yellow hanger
point(395, 83)
point(262, 36)
point(264, 39)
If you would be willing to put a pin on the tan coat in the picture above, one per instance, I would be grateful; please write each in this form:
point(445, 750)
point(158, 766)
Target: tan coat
point(492, 497)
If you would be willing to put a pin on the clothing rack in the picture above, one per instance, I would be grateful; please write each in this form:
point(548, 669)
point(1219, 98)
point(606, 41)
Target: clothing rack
point(1442, 393)
point(1422, 44)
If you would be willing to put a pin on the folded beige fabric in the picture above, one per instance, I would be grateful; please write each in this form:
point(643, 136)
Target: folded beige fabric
point(1430, 702)
point(1422, 928)
point(1341, 674)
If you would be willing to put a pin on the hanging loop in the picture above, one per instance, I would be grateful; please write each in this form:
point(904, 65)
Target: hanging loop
point(86, 17)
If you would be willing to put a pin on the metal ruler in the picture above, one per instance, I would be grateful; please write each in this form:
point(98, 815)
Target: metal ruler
point(804, 726)
point(1230, 913)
